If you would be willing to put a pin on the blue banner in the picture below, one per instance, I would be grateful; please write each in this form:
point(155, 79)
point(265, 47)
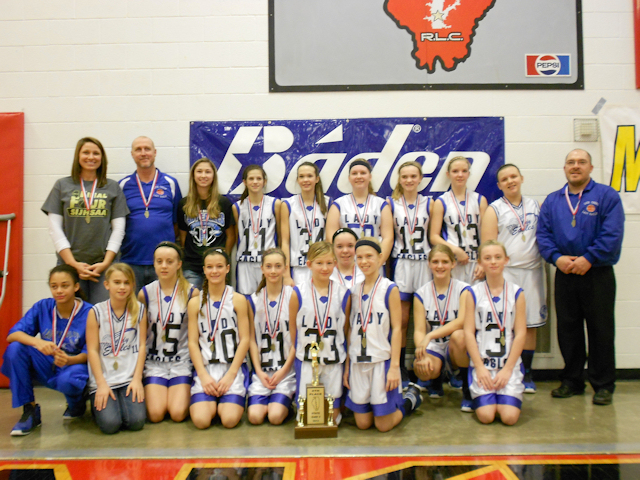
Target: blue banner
point(281, 145)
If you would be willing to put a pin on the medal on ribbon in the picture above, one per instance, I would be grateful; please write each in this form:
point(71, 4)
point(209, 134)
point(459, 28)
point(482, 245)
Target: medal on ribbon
point(522, 222)
point(574, 211)
point(272, 327)
point(88, 201)
point(365, 320)
point(255, 225)
point(361, 220)
point(116, 346)
point(162, 320)
point(413, 223)
point(215, 323)
point(463, 219)
point(147, 201)
point(322, 325)
point(500, 322)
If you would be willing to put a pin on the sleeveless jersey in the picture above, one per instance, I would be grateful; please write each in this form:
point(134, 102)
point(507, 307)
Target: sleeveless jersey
point(522, 253)
point(407, 245)
point(300, 219)
point(171, 343)
point(466, 236)
point(493, 353)
point(274, 342)
point(258, 233)
point(432, 307)
point(223, 323)
point(348, 280)
point(333, 340)
point(373, 343)
point(370, 213)
point(117, 370)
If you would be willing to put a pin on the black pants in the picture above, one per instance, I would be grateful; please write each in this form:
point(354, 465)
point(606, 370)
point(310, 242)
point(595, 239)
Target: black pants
point(589, 297)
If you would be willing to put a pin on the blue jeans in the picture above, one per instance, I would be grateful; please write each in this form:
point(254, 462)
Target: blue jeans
point(120, 413)
point(196, 278)
point(145, 274)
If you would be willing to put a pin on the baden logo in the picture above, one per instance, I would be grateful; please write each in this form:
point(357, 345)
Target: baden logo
point(548, 65)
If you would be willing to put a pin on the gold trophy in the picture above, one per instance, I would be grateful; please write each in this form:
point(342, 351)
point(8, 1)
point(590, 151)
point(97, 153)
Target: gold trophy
point(316, 411)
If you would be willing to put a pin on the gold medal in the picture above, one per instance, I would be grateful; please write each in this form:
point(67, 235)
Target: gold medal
point(464, 233)
point(255, 245)
point(413, 242)
point(364, 342)
point(87, 218)
point(146, 213)
point(164, 337)
point(524, 237)
point(573, 222)
point(115, 365)
point(502, 339)
point(321, 345)
point(213, 348)
point(273, 347)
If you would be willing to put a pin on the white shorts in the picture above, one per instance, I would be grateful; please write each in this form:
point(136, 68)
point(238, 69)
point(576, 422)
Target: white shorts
point(511, 394)
point(330, 376)
point(236, 393)
point(464, 273)
point(300, 274)
point(410, 275)
point(248, 276)
point(283, 393)
point(368, 392)
point(167, 374)
point(532, 283)
point(440, 350)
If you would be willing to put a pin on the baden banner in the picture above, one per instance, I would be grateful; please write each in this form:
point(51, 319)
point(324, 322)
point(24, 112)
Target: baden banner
point(281, 145)
point(620, 152)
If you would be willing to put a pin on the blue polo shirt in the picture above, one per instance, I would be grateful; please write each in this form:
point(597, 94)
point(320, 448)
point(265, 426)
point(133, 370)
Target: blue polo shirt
point(143, 234)
point(599, 226)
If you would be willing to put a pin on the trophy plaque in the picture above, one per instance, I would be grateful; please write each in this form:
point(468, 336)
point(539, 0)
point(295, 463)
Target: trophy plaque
point(315, 412)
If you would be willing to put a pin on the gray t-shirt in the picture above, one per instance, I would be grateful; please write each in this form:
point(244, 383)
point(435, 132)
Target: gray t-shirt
point(88, 240)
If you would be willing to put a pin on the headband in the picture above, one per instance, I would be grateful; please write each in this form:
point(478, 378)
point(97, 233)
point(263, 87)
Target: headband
point(344, 230)
point(368, 243)
point(217, 251)
point(170, 245)
point(364, 163)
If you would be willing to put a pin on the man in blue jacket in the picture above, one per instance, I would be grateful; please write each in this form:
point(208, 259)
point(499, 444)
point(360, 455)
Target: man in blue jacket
point(580, 231)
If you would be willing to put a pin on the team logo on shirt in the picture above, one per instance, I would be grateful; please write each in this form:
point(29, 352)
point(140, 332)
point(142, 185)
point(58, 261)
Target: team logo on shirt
point(591, 208)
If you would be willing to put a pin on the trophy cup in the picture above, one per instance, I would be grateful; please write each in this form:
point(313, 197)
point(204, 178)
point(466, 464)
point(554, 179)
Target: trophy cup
point(316, 411)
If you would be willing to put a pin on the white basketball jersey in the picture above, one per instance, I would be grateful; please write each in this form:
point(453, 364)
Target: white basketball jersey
point(447, 303)
point(348, 280)
point(410, 222)
point(171, 342)
point(301, 219)
point(370, 343)
point(522, 247)
point(222, 322)
point(365, 218)
point(117, 369)
point(256, 229)
point(492, 350)
point(274, 341)
point(456, 230)
point(333, 341)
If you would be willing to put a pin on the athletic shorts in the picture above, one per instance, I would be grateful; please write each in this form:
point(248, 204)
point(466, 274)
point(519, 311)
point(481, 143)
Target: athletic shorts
point(248, 276)
point(330, 376)
point(283, 393)
point(511, 394)
point(236, 393)
point(368, 393)
point(410, 275)
point(532, 283)
point(300, 274)
point(465, 272)
point(167, 374)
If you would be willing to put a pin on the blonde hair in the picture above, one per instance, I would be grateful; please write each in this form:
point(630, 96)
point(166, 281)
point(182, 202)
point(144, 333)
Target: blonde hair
point(183, 284)
point(370, 186)
point(441, 248)
point(132, 301)
point(458, 159)
point(270, 251)
point(319, 249)
point(399, 191)
point(491, 243)
point(192, 204)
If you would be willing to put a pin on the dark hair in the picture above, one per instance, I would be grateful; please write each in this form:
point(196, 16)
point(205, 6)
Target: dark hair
point(205, 287)
point(506, 165)
point(362, 162)
point(175, 246)
point(73, 273)
point(76, 169)
point(344, 230)
point(270, 251)
point(245, 174)
point(319, 191)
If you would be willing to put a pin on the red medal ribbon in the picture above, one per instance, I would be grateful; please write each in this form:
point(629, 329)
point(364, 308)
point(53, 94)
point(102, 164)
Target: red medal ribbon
point(163, 321)
point(213, 326)
point(147, 201)
point(255, 226)
point(442, 314)
point(501, 323)
point(343, 280)
point(523, 222)
point(466, 207)
point(413, 223)
point(322, 326)
point(272, 331)
point(361, 220)
point(566, 195)
point(365, 320)
point(76, 307)
point(114, 349)
point(88, 201)
point(304, 212)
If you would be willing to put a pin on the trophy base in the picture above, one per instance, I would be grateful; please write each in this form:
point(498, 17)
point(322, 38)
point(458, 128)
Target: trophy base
point(316, 431)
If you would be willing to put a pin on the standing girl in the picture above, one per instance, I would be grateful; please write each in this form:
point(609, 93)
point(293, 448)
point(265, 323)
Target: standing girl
point(57, 358)
point(321, 308)
point(257, 218)
point(205, 219)
point(87, 217)
point(456, 219)
point(167, 370)
point(116, 336)
point(495, 328)
point(439, 308)
point(373, 373)
point(346, 272)
point(218, 344)
point(513, 221)
point(411, 212)
point(362, 211)
point(273, 383)
point(303, 221)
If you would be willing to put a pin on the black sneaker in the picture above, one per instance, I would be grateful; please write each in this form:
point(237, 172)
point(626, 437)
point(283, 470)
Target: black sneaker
point(565, 391)
point(29, 421)
point(414, 396)
point(76, 412)
point(602, 397)
point(404, 375)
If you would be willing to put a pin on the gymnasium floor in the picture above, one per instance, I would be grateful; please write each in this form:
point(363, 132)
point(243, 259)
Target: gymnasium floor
point(557, 439)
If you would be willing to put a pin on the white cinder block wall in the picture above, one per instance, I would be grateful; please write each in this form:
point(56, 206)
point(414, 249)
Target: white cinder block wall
point(123, 68)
